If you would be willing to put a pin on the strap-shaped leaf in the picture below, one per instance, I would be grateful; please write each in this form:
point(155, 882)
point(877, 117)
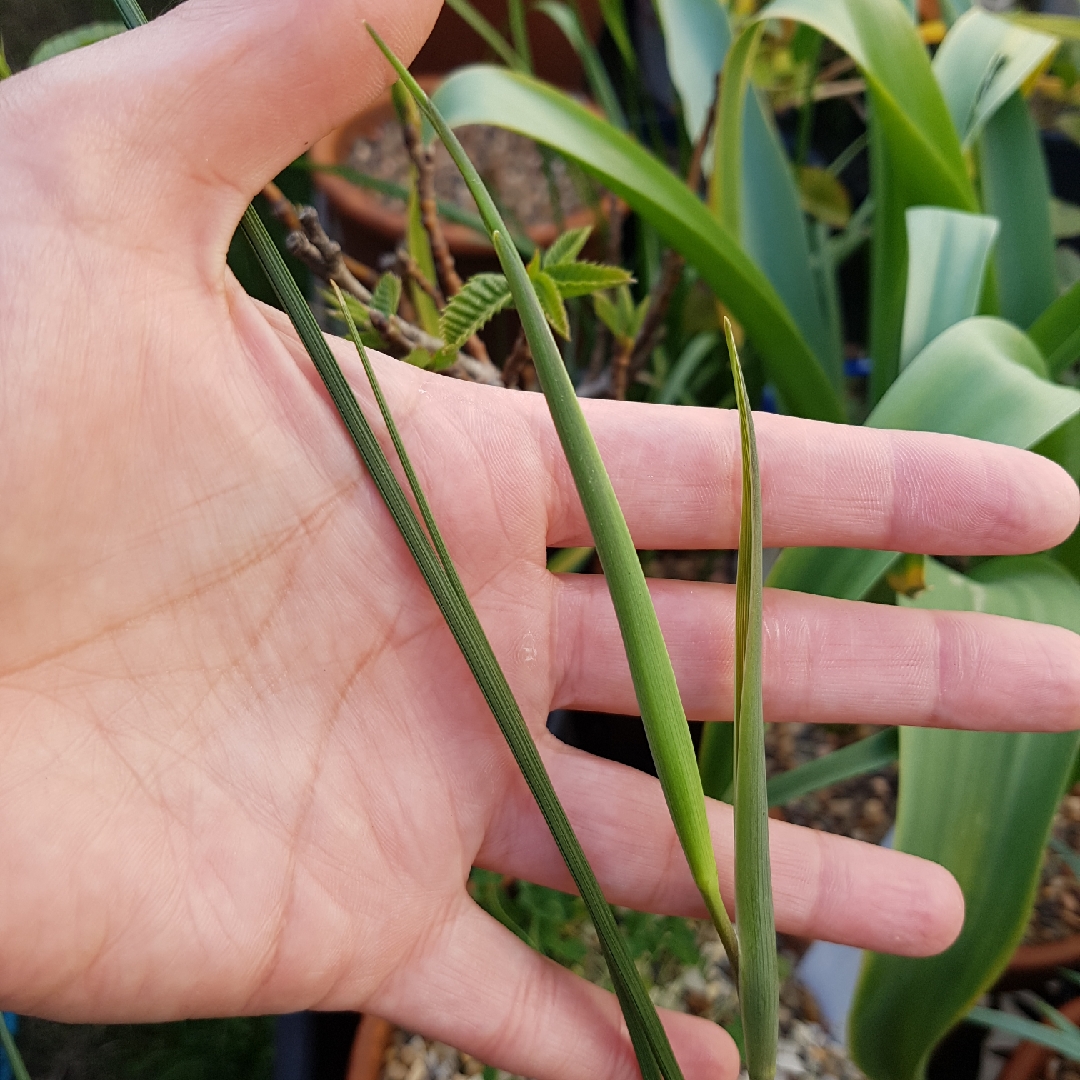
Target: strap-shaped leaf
point(759, 981)
point(581, 278)
point(551, 302)
point(387, 294)
point(1057, 331)
point(567, 247)
point(482, 298)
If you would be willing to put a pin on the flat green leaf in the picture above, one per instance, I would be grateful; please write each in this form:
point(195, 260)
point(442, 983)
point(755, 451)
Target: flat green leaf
point(866, 755)
point(581, 278)
point(982, 378)
point(387, 294)
point(567, 20)
point(1066, 1044)
point(773, 232)
point(915, 156)
point(759, 984)
point(481, 299)
point(615, 21)
point(554, 309)
point(567, 247)
point(70, 40)
point(1016, 190)
point(1064, 219)
point(982, 62)
point(676, 385)
point(948, 254)
point(1057, 331)
point(418, 244)
point(494, 96)
point(980, 804)
point(696, 39)
point(1065, 27)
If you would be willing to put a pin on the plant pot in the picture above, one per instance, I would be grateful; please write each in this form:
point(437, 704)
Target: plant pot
point(453, 43)
point(1029, 1060)
point(368, 1048)
point(368, 228)
point(1032, 965)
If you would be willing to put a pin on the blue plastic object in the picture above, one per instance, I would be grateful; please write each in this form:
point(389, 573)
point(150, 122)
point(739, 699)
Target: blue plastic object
point(12, 1022)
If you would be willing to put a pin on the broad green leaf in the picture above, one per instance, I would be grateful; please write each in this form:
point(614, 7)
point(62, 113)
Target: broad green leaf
point(387, 294)
point(982, 62)
point(981, 378)
point(581, 278)
point(773, 232)
point(547, 293)
point(70, 40)
point(568, 21)
point(650, 665)
point(980, 804)
point(1057, 331)
point(948, 254)
point(491, 95)
point(481, 299)
point(866, 755)
point(1066, 1044)
point(915, 156)
point(567, 247)
point(1016, 190)
point(696, 39)
point(759, 983)
point(1065, 27)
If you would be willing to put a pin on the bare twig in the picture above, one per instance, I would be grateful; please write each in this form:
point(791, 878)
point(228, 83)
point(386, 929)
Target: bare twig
point(284, 211)
point(517, 360)
point(323, 256)
point(620, 367)
point(410, 269)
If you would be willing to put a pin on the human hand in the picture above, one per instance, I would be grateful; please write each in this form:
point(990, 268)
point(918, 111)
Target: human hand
point(243, 767)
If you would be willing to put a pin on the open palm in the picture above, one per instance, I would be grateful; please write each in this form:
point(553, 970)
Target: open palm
point(243, 767)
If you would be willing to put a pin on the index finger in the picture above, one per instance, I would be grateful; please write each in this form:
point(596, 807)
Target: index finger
point(676, 473)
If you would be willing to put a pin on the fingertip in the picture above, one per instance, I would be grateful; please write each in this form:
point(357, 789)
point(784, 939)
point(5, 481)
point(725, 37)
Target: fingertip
point(703, 1049)
point(933, 915)
point(1058, 501)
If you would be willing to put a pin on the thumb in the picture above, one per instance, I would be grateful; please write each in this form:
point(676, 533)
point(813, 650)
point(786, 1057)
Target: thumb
point(213, 99)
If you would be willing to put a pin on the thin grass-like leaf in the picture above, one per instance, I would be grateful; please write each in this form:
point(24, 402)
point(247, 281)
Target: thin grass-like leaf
point(12, 1051)
point(494, 40)
point(866, 755)
point(1065, 1043)
point(759, 981)
point(650, 664)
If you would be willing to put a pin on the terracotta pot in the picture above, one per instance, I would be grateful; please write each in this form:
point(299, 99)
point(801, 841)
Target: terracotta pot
point(369, 1045)
point(453, 43)
point(1029, 1060)
point(1033, 965)
point(369, 228)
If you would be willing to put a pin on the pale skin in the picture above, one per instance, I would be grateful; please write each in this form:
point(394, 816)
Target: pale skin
point(243, 767)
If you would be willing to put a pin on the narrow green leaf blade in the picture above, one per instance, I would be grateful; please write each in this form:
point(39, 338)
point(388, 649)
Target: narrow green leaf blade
point(980, 804)
point(866, 755)
point(1067, 1045)
point(759, 984)
point(1057, 331)
point(1016, 190)
point(548, 294)
point(70, 40)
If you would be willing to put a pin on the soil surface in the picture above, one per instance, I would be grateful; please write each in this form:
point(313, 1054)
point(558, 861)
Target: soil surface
point(510, 164)
point(1057, 905)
